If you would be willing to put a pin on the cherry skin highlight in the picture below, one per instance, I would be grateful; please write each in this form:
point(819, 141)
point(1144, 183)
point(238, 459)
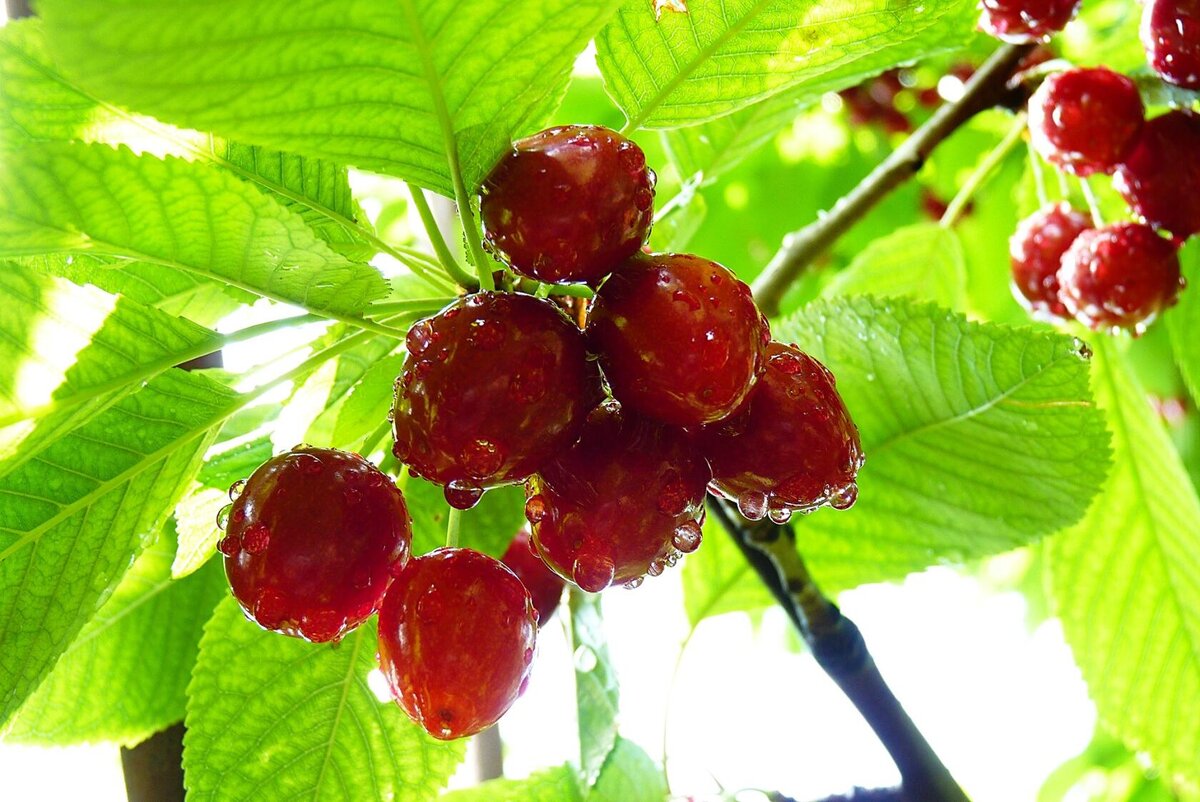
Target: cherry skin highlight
point(678, 336)
point(793, 446)
point(545, 587)
point(456, 640)
point(313, 540)
point(493, 385)
point(1159, 178)
point(1026, 20)
point(1086, 120)
point(569, 204)
point(1036, 250)
point(621, 503)
point(1171, 37)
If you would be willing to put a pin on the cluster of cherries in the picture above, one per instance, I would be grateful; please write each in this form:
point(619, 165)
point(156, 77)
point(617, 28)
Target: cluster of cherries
point(618, 424)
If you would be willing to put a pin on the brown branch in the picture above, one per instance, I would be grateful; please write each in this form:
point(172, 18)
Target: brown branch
point(18, 8)
point(154, 768)
point(987, 88)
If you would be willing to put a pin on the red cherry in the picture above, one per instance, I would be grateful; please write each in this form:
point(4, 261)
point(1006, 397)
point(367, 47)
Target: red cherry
point(1036, 249)
point(1171, 36)
point(569, 204)
point(545, 587)
point(1025, 20)
point(1086, 120)
point(1119, 276)
point(493, 385)
point(314, 539)
point(679, 337)
point(456, 640)
point(792, 446)
point(1159, 179)
point(620, 503)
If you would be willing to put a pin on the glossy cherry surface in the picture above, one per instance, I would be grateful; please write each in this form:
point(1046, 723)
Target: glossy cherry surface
point(569, 204)
point(1171, 36)
point(1036, 250)
point(1119, 276)
point(792, 447)
point(456, 640)
point(545, 587)
point(493, 385)
point(1086, 120)
point(1026, 20)
point(679, 337)
point(313, 539)
point(619, 504)
point(1159, 178)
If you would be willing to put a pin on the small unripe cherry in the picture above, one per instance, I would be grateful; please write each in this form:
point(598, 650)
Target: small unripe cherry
point(1036, 249)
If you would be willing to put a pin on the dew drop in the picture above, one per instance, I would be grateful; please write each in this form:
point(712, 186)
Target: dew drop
point(535, 509)
point(787, 363)
point(673, 496)
point(352, 495)
point(753, 505)
point(779, 515)
point(843, 498)
point(236, 489)
point(322, 626)
point(585, 659)
point(256, 538)
point(309, 464)
point(481, 458)
point(593, 573)
point(269, 608)
point(229, 545)
point(462, 496)
point(632, 159)
point(657, 567)
point(643, 199)
point(635, 583)
point(223, 517)
point(529, 385)
point(485, 333)
point(687, 537)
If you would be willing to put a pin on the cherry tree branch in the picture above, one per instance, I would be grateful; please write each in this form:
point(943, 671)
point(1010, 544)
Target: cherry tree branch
point(987, 88)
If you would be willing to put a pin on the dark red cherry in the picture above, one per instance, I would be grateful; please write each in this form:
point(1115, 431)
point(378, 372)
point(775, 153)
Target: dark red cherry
point(792, 446)
point(1171, 36)
point(493, 385)
point(569, 204)
point(1161, 176)
point(545, 587)
point(1086, 120)
point(679, 337)
point(1036, 250)
point(619, 504)
point(1025, 20)
point(313, 540)
point(1119, 276)
point(456, 640)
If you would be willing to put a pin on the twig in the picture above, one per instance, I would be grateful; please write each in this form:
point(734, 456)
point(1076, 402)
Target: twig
point(154, 768)
point(986, 88)
point(840, 650)
point(447, 260)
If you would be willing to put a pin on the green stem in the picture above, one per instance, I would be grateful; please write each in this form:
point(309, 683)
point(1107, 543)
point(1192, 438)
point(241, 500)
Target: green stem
point(417, 305)
point(449, 263)
point(983, 172)
point(376, 437)
point(1092, 203)
point(453, 520)
point(1039, 178)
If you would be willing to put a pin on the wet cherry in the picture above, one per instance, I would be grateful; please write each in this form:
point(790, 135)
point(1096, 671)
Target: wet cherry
point(1119, 276)
point(456, 641)
point(314, 538)
point(1160, 176)
point(1026, 20)
point(1171, 36)
point(620, 503)
point(1036, 250)
point(545, 587)
point(493, 385)
point(1086, 120)
point(569, 204)
point(792, 446)
point(679, 337)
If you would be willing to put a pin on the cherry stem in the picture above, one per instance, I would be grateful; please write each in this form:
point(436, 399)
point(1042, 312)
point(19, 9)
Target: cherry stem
point(447, 260)
point(1093, 205)
point(1039, 178)
point(839, 649)
point(986, 88)
point(453, 521)
point(376, 437)
point(982, 173)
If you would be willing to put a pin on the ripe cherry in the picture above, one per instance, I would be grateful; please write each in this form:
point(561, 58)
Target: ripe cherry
point(1026, 20)
point(314, 538)
point(679, 337)
point(493, 385)
point(456, 639)
point(569, 204)
point(1036, 250)
point(619, 504)
point(791, 447)
point(1086, 120)
point(1119, 276)
point(1171, 36)
point(545, 587)
point(1160, 176)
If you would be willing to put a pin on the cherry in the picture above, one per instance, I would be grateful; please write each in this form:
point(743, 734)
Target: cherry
point(1171, 36)
point(679, 337)
point(1026, 20)
point(791, 447)
point(619, 504)
point(314, 538)
point(1159, 178)
point(545, 587)
point(493, 385)
point(456, 639)
point(569, 204)
point(1086, 120)
point(1119, 276)
point(1036, 249)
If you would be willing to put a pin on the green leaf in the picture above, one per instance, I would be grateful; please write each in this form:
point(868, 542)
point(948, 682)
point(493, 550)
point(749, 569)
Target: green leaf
point(717, 579)
point(979, 437)
point(596, 693)
point(405, 87)
point(724, 55)
point(187, 216)
point(1126, 582)
point(124, 677)
point(229, 465)
point(558, 784)
point(922, 261)
point(332, 387)
point(369, 402)
point(489, 526)
point(1184, 320)
point(273, 717)
point(629, 775)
